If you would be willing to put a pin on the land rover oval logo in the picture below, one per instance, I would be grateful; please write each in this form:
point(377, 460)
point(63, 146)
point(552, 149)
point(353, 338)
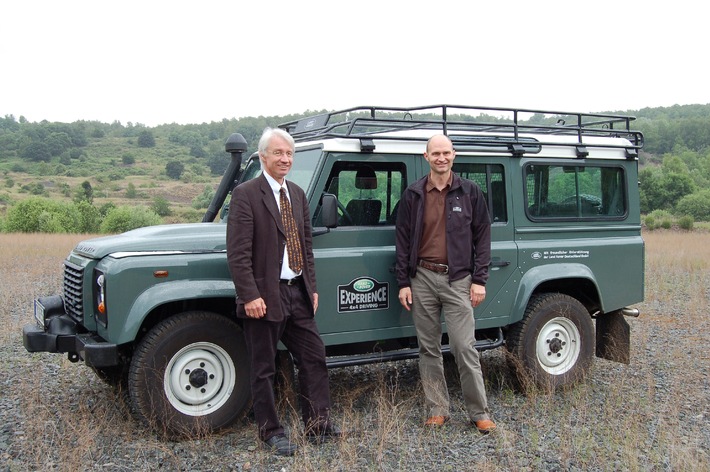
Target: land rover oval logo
point(536, 255)
point(363, 285)
point(363, 294)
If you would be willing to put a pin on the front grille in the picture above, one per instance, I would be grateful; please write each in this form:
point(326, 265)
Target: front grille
point(73, 282)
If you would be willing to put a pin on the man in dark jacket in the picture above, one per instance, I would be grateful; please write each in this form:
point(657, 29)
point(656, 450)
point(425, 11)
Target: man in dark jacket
point(271, 261)
point(443, 252)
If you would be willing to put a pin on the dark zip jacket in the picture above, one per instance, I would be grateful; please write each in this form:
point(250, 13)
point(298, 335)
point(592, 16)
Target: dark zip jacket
point(468, 231)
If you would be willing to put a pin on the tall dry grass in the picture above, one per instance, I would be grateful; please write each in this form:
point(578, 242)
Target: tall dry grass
point(650, 415)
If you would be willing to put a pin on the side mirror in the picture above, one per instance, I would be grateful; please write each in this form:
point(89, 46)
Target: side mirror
point(329, 210)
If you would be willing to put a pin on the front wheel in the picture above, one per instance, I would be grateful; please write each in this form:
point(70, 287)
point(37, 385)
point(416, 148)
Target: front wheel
point(190, 374)
point(553, 344)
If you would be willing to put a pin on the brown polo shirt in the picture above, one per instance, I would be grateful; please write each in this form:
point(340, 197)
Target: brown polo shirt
point(433, 244)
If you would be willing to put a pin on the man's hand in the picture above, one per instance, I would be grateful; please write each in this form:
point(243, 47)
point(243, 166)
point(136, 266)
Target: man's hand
point(478, 293)
point(405, 297)
point(255, 308)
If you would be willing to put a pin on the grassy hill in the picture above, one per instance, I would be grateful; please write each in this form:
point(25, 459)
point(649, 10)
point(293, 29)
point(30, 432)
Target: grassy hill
point(127, 164)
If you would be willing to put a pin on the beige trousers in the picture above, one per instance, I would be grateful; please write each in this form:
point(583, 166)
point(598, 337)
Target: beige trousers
point(432, 295)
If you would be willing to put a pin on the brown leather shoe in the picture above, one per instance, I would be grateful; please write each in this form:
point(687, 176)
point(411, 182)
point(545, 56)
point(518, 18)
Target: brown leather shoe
point(485, 426)
point(434, 421)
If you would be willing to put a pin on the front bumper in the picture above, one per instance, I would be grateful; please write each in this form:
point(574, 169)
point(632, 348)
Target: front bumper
point(59, 333)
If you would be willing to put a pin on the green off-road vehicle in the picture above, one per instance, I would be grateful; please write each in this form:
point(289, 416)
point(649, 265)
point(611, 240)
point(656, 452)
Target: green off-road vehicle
point(153, 309)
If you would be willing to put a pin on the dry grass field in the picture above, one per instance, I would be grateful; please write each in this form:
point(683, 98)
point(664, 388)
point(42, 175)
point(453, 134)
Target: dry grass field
point(653, 414)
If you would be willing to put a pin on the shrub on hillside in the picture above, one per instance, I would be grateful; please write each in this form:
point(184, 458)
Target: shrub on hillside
point(174, 169)
point(696, 205)
point(42, 215)
point(125, 218)
point(161, 206)
point(203, 200)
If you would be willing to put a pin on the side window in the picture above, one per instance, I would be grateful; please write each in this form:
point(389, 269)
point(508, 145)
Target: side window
point(367, 192)
point(587, 192)
point(492, 182)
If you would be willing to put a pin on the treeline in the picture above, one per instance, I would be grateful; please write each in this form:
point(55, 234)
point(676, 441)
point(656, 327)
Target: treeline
point(674, 176)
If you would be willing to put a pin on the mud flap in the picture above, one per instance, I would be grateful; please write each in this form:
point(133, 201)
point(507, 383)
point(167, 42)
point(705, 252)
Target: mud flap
point(613, 337)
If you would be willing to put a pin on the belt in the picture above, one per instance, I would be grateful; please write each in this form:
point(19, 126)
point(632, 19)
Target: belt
point(292, 281)
point(434, 267)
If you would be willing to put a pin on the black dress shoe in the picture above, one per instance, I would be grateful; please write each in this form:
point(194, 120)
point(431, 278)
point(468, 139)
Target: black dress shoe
point(281, 445)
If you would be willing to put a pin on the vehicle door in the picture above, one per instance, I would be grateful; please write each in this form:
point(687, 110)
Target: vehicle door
point(496, 186)
point(358, 292)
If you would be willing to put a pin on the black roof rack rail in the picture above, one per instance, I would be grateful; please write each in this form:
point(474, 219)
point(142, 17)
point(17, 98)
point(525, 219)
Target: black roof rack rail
point(458, 121)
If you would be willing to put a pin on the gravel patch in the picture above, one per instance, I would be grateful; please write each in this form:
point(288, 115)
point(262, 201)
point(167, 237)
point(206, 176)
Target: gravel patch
point(650, 415)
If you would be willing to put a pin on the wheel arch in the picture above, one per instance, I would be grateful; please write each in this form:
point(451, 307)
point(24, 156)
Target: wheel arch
point(161, 301)
point(575, 280)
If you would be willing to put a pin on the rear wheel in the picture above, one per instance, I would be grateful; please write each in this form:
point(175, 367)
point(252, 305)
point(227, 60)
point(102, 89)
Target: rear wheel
point(190, 374)
point(552, 345)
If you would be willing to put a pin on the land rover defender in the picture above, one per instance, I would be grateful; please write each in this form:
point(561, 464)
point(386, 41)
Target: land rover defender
point(154, 308)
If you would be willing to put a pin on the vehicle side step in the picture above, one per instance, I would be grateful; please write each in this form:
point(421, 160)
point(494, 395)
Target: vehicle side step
point(402, 354)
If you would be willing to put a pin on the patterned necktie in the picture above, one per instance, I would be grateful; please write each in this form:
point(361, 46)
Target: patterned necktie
point(293, 244)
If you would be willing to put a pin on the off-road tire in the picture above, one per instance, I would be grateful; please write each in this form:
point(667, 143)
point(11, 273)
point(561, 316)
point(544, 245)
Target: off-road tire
point(553, 345)
point(189, 375)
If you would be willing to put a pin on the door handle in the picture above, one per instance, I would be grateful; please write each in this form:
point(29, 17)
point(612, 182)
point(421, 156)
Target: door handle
point(499, 263)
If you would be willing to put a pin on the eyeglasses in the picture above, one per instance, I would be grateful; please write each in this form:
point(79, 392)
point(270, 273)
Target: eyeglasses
point(281, 153)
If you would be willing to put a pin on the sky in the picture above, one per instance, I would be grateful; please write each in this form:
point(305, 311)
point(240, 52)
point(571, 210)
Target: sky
point(154, 61)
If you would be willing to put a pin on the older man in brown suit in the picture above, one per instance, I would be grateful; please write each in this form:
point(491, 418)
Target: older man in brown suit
point(274, 277)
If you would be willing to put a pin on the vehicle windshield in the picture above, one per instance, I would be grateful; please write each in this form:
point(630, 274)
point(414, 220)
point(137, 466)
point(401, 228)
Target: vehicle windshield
point(302, 171)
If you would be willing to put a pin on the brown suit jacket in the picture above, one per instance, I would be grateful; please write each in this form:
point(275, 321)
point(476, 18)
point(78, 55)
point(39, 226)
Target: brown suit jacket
point(256, 242)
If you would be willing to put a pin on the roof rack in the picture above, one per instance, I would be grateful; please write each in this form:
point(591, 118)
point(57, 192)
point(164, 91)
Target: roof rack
point(460, 121)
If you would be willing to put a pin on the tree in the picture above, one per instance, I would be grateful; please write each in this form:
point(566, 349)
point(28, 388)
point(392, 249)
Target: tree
point(662, 187)
point(696, 205)
point(218, 163)
point(57, 143)
point(85, 192)
point(174, 169)
point(146, 139)
point(37, 151)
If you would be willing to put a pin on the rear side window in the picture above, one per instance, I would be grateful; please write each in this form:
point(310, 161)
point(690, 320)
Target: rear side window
point(579, 192)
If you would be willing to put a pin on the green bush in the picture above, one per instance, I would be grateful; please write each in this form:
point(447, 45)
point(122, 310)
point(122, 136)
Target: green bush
point(89, 217)
point(125, 218)
point(663, 218)
point(42, 215)
point(650, 222)
point(203, 200)
point(686, 222)
point(161, 206)
point(696, 205)
point(128, 159)
point(174, 169)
